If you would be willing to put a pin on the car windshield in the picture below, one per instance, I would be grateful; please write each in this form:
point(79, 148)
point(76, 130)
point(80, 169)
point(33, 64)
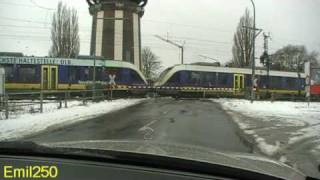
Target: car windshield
point(232, 76)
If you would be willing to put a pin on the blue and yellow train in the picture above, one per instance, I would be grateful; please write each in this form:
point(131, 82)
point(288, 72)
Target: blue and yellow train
point(37, 73)
point(228, 81)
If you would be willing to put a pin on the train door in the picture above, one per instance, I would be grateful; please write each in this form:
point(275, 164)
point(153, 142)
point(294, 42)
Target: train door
point(53, 77)
point(238, 82)
point(49, 77)
point(45, 77)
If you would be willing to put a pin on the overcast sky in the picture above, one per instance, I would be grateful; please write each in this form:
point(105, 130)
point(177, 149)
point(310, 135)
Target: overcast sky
point(206, 26)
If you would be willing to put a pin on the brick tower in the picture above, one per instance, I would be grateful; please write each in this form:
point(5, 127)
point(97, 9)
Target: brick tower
point(116, 31)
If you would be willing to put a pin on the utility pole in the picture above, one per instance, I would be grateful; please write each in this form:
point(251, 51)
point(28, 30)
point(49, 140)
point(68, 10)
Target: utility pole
point(298, 73)
point(253, 63)
point(95, 19)
point(181, 47)
point(256, 33)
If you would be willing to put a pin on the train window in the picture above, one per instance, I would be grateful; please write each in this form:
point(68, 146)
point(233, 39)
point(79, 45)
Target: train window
point(27, 73)
point(135, 78)
point(276, 82)
point(263, 82)
point(291, 83)
point(122, 75)
point(195, 78)
point(175, 79)
point(224, 79)
point(74, 74)
point(90, 73)
point(86, 73)
point(208, 79)
point(248, 80)
point(119, 73)
point(164, 73)
point(9, 70)
point(100, 74)
point(184, 77)
point(315, 76)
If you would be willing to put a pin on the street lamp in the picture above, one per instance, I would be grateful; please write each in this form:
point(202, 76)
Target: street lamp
point(253, 64)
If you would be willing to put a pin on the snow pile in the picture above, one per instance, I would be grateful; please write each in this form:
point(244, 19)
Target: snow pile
point(291, 122)
point(295, 113)
point(288, 131)
point(29, 124)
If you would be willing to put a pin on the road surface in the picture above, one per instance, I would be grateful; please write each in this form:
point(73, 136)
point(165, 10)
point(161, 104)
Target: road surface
point(196, 122)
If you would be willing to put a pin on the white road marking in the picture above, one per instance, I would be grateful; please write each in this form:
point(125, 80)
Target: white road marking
point(147, 126)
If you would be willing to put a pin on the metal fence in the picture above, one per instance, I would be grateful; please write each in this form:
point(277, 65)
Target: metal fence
point(33, 102)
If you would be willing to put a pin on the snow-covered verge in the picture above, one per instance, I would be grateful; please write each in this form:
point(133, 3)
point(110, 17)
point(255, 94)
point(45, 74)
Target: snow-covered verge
point(29, 124)
point(288, 131)
point(22, 107)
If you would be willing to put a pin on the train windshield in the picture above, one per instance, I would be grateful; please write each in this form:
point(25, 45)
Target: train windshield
point(235, 78)
point(164, 73)
point(315, 76)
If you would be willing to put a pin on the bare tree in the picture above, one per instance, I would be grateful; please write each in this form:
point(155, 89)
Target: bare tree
point(65, 33)
point(150, 64)
point(242, 42)
point(292, 57)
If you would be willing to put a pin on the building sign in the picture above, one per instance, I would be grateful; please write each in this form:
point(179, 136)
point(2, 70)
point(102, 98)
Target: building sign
point(34, 60)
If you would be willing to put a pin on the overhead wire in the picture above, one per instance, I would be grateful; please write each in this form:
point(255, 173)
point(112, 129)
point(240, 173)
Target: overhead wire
point(41, 7)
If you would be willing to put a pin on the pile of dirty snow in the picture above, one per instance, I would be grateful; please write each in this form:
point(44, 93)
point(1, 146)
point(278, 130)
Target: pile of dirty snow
point(29, 124)
point(279, 129)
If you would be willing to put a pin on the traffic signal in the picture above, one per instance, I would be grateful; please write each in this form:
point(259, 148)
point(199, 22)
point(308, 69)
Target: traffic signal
point(263, 58)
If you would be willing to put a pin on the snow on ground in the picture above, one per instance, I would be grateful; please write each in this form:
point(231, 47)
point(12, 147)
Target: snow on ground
point(28, 124)
point(278, 115)
point(22, 107)
point(279, 129)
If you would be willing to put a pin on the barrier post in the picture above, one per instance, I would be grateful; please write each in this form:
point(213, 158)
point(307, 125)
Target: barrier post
point(60, 103)
point(66, 100)
point(105, 95)
point(111, 93)
point(84, 98)
point(41, 102)
point(6, 101)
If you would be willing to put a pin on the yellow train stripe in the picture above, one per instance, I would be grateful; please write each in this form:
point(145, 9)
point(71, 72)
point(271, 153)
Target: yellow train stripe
point(72, 86)
point(281, 91)
point(27, 86)
point(22, 86)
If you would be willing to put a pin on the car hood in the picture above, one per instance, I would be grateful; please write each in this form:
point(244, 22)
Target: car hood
point(251, 162)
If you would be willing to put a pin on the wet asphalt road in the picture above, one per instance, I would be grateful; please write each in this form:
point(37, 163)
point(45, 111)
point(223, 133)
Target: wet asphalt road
point(196, 122)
